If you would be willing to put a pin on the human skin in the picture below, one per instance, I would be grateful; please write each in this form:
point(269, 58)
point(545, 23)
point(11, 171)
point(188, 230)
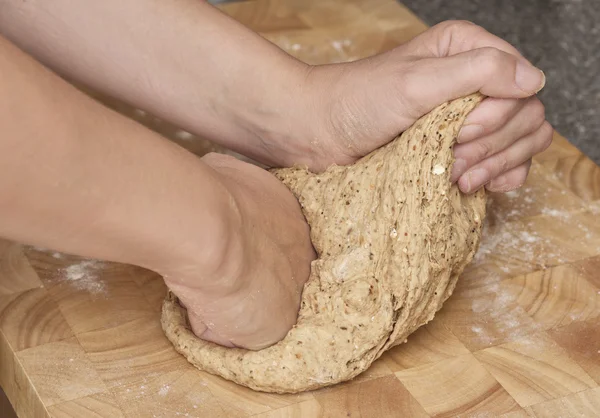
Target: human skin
point(229, 239)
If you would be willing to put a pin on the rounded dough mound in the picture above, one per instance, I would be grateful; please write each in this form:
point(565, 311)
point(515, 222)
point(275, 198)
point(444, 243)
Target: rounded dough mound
point(392, 236)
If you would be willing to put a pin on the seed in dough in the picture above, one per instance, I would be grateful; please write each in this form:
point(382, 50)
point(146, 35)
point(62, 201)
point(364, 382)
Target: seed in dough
point(392, 236)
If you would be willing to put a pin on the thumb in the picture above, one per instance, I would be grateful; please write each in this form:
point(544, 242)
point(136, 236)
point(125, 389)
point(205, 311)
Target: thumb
point(490, 71)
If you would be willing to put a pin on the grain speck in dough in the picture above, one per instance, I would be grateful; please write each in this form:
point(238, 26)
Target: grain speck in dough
point(438, 169)
point(392, 236)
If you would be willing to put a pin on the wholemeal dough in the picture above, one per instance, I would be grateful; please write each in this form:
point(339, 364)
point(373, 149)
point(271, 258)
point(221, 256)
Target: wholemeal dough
point(392, 236)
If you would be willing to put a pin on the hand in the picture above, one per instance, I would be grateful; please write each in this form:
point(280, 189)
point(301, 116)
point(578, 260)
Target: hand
point(251, 296)
point(369, 102)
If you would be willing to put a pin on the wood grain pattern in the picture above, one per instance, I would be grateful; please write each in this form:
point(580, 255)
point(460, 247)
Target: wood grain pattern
point(15, 267)
point(429, 344)
point(181, 392)
point(534, 369)
point(60, 371)
point(383, 397)
point(579, 174)
point(582, 404)
point(582, 341)
point(462, 386)
point(130, 351)
point(15, 382)
point(93, 406)
point(555, 297)
point(485, 316)
point(31, 318)
point(519, 337)
point(310, 408)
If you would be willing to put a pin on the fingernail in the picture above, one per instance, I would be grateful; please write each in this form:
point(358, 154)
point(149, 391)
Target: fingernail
point(475, 179)
point(458, 168)
point(469, 132)
point(543, 82)
point(529, 78)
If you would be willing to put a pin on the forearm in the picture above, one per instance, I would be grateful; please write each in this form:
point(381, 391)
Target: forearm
point(80, 178)
point(182, 60)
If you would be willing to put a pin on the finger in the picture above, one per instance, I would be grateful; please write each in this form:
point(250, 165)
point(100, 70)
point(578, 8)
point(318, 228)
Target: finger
point(454, 37)
point(209, 335)
point(511, 180)
point(489, 116)
point(429, 82)
point(202, 331)
point(527, 121)
point(515, 155)
point(198, 326)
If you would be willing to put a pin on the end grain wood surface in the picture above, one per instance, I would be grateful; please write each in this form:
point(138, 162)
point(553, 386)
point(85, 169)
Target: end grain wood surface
point(519, 337)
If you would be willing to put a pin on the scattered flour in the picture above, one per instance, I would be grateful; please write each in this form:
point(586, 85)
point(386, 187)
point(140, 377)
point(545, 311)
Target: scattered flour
point(84, 276)
point(556, 213)
point(338, 46)
point(503, 318)
point(513, 243)
point(528, 237)
point(164, 390)
point(342, 47)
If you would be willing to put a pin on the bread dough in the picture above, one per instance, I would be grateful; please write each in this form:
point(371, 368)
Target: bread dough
point(392, 236)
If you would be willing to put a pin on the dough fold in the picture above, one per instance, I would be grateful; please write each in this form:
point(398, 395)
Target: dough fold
point(392, 236)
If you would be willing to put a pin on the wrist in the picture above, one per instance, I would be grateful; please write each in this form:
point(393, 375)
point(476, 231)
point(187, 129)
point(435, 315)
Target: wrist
point(287, 122)
point(204, 250)
point(305, 133)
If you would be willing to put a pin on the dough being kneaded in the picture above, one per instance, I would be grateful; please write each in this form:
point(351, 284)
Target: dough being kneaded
point(392, 236)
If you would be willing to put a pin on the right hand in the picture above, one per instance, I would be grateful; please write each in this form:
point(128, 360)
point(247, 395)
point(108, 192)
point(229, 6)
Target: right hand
point(361, 105)
point(250, 296)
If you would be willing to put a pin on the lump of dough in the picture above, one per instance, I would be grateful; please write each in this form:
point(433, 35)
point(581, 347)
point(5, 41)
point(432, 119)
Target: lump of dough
point(392, 236)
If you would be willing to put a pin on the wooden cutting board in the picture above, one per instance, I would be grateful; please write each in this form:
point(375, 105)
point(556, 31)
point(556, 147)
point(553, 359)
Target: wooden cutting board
point(519, 336)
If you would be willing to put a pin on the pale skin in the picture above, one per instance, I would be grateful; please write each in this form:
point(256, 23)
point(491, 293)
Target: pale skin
point(229, 239)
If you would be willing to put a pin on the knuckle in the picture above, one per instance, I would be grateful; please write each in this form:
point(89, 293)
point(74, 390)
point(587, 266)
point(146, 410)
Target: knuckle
point(489, 60)
point(546, 134)
point(489, 53)
point(501, 112)
point(456, 32)
point(409, 91)
point(457, 26)
point(501, 164)
point(537, 112)
point(483, 149)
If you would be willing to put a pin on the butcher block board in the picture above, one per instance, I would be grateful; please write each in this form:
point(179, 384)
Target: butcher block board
point(518, 338)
